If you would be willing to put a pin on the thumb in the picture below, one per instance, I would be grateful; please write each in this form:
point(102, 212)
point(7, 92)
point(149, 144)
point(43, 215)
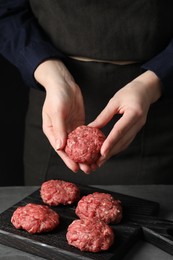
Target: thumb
point(60, 133)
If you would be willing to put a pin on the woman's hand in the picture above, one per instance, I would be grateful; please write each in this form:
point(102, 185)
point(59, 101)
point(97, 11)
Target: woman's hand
point(63, 108)
point(132, 102)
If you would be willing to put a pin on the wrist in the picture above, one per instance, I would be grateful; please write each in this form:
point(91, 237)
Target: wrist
point(51, 73)
point(152, 84)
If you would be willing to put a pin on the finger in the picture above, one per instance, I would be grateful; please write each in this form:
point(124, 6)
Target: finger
point(69, 163)
point(122, 127)
point(48, 130)
point(121, 145)
point(59, 130)
point(88, 168)
point(93, 166)
point(55, 129)
point(105, 116)
point(85, 168)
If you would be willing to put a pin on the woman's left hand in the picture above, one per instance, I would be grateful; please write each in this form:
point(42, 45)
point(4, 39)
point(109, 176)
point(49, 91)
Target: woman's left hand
point(132, 102)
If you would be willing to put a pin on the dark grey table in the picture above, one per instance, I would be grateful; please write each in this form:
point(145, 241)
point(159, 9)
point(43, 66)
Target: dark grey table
point(140, 251)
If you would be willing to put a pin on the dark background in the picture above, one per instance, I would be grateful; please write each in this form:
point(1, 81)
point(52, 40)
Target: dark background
point(13, 106)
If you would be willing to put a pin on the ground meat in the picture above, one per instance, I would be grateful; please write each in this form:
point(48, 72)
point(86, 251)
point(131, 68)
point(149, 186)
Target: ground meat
point(35, 218)
point(100, 205)
point(90, 235)
point(55, 192)
point(84, 143)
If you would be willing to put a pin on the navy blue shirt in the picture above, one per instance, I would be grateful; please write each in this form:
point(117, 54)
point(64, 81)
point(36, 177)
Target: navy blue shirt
point(24, 43)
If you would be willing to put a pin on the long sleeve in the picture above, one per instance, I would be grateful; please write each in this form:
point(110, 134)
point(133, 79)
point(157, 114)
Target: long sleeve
point(22, 41)
point(162, 66)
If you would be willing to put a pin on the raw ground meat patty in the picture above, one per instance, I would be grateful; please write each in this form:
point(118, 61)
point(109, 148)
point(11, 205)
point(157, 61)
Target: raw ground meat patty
point(84, 143)
point(56, 192)
point(100, 205)
point(90, 235)
point(35, 218)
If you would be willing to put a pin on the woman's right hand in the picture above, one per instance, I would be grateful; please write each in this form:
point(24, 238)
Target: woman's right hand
point(63, 108)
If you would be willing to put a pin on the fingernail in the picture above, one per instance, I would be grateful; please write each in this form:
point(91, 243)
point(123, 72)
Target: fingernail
point(101, 163)
point(58, 144)
point(75, 171)
point(87, 172)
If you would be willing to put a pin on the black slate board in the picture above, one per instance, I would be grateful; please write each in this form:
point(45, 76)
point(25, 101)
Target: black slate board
point(53, 245)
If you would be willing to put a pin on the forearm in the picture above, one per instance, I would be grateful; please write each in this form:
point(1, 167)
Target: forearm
point(22, 40)
point(162, 66)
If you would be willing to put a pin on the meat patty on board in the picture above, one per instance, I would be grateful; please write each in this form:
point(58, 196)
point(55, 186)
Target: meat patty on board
point(91, 235)
point(100, 205)
point(35, 218)
point(56, 192)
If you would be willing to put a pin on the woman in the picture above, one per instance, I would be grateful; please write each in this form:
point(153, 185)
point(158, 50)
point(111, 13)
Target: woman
point(105, 63)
